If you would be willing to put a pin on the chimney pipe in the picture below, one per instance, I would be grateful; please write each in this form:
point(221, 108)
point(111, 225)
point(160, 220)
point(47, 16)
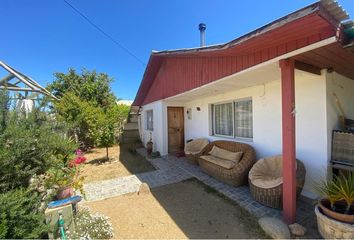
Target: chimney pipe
point(202, 27)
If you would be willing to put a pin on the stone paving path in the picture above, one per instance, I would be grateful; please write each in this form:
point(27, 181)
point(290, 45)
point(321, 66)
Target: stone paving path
point(165, 173)
point(170, 169)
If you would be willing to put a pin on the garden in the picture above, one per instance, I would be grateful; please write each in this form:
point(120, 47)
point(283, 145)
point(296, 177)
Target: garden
point(42, 151)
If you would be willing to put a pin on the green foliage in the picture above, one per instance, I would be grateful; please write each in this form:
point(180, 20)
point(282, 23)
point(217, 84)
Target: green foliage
point(339, 188)
point(19, 217)
point(110, 125)
point(89, 106)
point(28, 146)
point(344, 188)
point(4, 107)
point(325, 188)
point(89, 86)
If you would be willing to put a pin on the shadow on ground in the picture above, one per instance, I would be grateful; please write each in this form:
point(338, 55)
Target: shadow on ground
point(132, 161)
point(202, 213)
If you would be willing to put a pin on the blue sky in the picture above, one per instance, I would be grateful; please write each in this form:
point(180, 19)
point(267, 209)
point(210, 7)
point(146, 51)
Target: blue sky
point(40, 37)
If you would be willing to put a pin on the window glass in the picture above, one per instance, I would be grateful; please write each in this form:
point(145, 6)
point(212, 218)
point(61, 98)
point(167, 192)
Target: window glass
point(223, 119)
point(149, 120)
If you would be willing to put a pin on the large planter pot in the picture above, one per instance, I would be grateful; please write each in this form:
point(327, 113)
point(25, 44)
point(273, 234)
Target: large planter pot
point(65, 192)
point(330, 228)
point(325, 207)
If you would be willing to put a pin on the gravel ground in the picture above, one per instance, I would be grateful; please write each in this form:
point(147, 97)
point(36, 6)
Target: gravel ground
point(187, 209)
point(122, 162)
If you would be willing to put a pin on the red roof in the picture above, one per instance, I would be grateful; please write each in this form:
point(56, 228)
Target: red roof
point(172, 72)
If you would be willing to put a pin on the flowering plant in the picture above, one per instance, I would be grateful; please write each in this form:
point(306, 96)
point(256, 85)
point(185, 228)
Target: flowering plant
point(68, 176)
point(91, 226)
point(78, 160)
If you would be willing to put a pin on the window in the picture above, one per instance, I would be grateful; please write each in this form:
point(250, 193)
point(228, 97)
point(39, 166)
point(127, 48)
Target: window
point(243, 119)
point(149, 120)
point(233, 119)
point(223, 119)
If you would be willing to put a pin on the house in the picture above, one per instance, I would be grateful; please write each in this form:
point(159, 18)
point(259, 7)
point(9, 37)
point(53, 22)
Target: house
point(272, 88)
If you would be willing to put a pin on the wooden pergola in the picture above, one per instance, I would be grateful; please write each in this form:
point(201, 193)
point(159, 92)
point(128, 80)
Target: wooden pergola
point(16, 81)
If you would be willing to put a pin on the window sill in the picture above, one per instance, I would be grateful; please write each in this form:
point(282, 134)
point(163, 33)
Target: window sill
point(240, 139)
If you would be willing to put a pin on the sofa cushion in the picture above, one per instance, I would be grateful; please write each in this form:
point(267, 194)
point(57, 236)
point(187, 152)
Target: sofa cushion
point(267, 173)
point(219, 161)
point(225, 154)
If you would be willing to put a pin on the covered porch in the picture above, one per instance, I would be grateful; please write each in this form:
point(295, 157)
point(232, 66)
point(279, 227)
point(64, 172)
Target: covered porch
point(292, 110)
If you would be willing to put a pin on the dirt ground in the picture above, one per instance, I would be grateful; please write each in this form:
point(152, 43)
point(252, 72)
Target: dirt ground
point(188, 209)
point(123, 161)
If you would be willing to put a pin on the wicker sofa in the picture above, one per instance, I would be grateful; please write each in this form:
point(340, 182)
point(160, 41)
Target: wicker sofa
point(266, 182)
point(236, 175)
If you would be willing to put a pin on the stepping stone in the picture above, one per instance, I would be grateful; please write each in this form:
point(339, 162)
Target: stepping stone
point(144, 189)
point(274, 227)
point(297, 230)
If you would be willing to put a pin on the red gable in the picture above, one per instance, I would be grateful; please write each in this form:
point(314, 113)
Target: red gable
point(169, 73)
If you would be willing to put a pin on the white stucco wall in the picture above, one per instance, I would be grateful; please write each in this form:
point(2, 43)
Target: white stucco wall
point(157, 132)
point(316, 116)
point(311, 126)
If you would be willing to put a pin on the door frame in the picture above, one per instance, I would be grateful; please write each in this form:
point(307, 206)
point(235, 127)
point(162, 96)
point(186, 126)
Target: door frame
point(183, 125)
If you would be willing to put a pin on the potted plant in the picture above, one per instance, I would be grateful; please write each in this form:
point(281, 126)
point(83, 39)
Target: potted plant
point(67, 179)
point(149, 146)
point(335, 210)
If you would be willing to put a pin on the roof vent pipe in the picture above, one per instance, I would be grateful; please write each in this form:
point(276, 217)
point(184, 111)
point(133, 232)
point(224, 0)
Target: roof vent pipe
point(202, 27)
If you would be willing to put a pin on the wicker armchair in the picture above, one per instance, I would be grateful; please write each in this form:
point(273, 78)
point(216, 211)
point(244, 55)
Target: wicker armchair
point(194, 148)
point(273, 196)
point(235, 176)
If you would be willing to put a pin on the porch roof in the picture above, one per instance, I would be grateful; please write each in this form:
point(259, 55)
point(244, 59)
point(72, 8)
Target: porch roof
point(173, 72)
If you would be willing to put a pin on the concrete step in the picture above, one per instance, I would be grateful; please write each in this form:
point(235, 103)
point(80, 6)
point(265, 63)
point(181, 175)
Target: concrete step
point(133, 118)
point(130, 136)
point(131, 126)
point(131, 133)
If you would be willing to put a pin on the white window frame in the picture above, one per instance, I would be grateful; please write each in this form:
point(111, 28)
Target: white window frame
point(147, 120)
point(212, 119)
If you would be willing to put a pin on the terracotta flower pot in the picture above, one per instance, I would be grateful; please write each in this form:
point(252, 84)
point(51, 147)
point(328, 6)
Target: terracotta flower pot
point(65, 192)
point(324, 204)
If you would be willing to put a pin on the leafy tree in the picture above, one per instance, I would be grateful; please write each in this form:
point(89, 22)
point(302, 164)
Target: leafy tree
point(83, 118)
point(89, 86)
point(111, 123)
point(89, 106)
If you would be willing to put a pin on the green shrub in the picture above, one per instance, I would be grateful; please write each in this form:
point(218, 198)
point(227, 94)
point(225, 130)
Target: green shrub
point(19, 215)
point(30, 147)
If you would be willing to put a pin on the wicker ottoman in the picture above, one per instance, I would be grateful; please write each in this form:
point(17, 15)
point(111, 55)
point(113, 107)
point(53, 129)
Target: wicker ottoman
point(273, 196)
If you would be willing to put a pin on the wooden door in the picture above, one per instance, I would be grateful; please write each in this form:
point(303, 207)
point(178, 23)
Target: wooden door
point(175, 125)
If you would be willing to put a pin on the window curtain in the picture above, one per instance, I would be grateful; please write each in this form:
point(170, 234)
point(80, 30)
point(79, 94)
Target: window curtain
point(149, 120)
point(223, 119)
point(243, 119)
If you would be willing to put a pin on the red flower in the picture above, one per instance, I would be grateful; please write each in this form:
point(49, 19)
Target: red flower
point(77, 161)
point(80, 160)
